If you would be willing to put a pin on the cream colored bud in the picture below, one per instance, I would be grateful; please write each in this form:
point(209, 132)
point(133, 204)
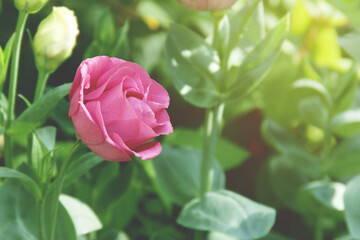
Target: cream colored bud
point(55, 39)
point(30, 6)
point(202, 5)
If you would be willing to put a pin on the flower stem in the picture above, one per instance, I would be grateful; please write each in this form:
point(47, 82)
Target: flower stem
point(15, 58)
point(39, 218)
point(319, 234)
point(58, 187)
point(41, 83)
point(212, 130)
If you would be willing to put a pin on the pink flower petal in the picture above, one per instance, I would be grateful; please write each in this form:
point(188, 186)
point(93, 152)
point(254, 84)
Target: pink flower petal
point(148, 150)
point(87, 129)
point(108, 151)
point(158, 94)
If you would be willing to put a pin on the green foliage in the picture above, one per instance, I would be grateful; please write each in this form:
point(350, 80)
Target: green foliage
point(300, 76)
point(4, 60)
point(19, 217)
point(314, 112)
point(194, 66)
point(227, 153)
point(349, 41)
point(344, 161)
point(28, 182)
point(228, 212)
point(258, 62)
point(352, 213)
point(287, 145)
point(178, 171)
point(80, 166)
point(37, 113)
point(347, 123)
point(107, 39)
point(84, 219)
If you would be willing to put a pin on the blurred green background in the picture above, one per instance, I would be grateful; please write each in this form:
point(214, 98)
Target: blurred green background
point(318, 46)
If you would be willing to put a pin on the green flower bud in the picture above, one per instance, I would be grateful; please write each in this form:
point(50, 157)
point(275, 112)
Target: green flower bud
point(55, 39)
point(30, 6)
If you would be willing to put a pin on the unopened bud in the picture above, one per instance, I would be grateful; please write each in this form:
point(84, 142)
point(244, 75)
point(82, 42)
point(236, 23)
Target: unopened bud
point(55, 39)
point(202, 5)
point(30, 6)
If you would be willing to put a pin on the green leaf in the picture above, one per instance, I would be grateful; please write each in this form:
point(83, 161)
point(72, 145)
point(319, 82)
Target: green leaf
point(121, 47)
point(321, 198)
point(148, 50)
point(60, 116)
point(222, 236)
point(346, 124)
point(104, 32)
point(80, 166)
point(344, 160)
point(314, 112)
point(345, 90)
point(178, 171)
point(279, 101)
point(94, 49)
point(228, 212)
point(314, 87)
point(258, 62)
point(194, 66)
point(34, 116)
point(31, 185)
point(286, 144)
point(40, 157)
point(18, 219)
point(350, 8)
point(18, 212)
point(228, 154)
point(6, 60)
point(243, 25)
point(83, 217)
point(352, 210)
point(2, 66)
point(150, 171)
point(47, 136)
point(284, 180)
point(349, 42)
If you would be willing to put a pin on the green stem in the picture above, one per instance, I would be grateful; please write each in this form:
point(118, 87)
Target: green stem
point(15, 58)
point(41, 83)
point(39, 218)
point(319, 233)
point(212, 130)
point(58, 187)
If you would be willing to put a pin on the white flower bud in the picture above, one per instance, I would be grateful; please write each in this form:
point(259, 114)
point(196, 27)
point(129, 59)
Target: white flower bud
point(55, 39)
point(30, 6)
point(203, 5)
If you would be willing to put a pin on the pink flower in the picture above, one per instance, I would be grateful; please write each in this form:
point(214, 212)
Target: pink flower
point(116, 109)
point(203, 5)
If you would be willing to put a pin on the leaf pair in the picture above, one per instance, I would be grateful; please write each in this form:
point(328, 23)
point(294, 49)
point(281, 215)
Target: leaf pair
point(178, 172)
point(198, 70)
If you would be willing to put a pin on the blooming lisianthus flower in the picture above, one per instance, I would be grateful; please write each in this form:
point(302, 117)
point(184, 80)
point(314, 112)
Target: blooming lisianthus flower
point(116, 109)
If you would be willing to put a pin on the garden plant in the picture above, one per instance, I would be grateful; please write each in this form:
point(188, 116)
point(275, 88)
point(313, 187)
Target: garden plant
point(179, 119)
